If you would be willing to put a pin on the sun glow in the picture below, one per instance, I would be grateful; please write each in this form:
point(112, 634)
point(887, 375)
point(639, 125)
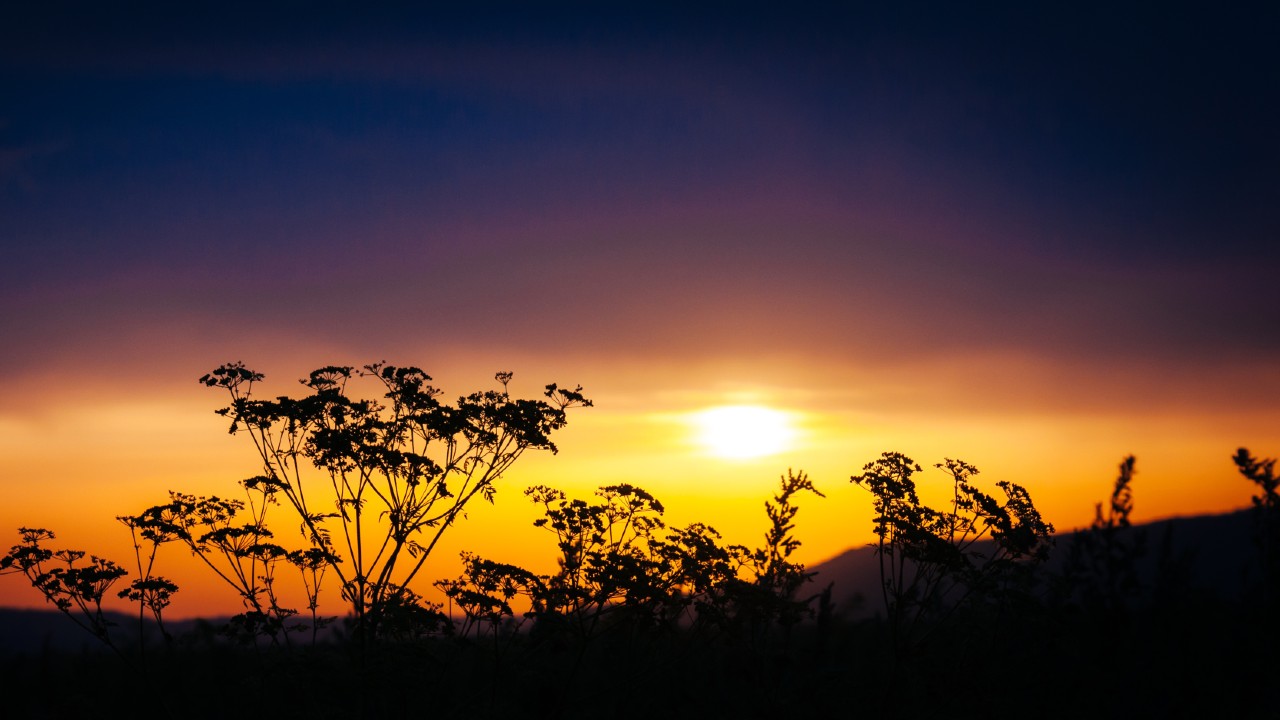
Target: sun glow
point(743, 431)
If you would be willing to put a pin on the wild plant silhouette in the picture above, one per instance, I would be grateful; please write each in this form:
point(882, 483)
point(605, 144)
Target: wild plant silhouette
point(1266, 504)
point(1101, 572)
point(931, 563)
point(982, 609)
point(76, 590)
point(401, 472)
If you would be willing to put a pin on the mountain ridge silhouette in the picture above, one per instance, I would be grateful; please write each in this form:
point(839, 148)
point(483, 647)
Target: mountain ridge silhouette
point(1212, 554)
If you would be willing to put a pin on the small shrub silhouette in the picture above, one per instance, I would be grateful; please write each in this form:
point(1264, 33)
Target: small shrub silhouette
point(242, 554)
point(76, 590)
point(623, 571)
point(1101, 570)
point(485, 592)
point(770, 596)
point(153, 593)
point(613, 571)
point(1266, 504)
point(931, 562)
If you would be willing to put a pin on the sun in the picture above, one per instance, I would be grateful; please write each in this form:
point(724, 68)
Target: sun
point(743, 431)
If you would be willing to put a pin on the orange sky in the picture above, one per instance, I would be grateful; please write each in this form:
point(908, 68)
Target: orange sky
point(92, 458)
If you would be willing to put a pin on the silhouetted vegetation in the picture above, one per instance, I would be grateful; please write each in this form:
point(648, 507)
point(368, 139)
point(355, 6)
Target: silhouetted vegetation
point(1101, 571)
point(981, 609)
point(1266, 504)
point(933, 563)
point(77, 591)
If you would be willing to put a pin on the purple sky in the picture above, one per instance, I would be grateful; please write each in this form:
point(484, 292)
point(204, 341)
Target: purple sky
point(1090, 186)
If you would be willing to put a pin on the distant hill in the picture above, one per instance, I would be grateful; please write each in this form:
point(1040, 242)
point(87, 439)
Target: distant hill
point(26, 632)
point(1214, 555)
point(35, 632)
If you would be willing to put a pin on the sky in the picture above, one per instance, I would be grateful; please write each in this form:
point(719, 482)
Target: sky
point(1035, 238)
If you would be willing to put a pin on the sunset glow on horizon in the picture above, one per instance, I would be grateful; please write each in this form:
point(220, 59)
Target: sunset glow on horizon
point(743, 431)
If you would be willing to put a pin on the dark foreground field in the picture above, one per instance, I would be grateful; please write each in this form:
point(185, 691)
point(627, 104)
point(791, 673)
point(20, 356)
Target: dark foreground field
point(1187, 661)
